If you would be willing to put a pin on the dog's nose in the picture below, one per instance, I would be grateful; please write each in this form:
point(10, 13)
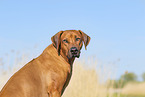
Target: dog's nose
point(74, 50)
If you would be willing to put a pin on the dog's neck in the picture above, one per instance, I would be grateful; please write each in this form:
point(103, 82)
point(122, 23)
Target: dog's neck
point(54, 50)
point(69, 60)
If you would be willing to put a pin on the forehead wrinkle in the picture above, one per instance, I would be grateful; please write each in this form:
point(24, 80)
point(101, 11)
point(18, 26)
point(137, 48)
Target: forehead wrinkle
point(71, 38)
point(70, 34)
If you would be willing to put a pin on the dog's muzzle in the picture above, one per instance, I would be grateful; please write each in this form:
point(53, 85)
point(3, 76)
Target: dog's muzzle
point(75, 52)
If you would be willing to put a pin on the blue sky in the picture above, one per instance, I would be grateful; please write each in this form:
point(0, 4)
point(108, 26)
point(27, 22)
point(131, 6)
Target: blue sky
point(116, 28)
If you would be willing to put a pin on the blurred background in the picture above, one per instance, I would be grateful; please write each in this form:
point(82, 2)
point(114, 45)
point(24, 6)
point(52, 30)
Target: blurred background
point(113, 64)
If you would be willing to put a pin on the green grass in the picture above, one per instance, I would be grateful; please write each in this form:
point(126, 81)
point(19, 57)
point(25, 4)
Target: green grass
point(132, 96)
point(116, 95)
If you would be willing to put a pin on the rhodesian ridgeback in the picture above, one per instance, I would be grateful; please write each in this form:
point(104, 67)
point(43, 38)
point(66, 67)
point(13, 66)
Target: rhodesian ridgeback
point(48, 75)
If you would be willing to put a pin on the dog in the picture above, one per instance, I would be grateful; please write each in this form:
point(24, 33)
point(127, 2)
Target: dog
point(49, 74)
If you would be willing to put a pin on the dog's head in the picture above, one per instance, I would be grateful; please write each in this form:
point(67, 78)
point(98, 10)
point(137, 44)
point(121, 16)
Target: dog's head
point(70, 42)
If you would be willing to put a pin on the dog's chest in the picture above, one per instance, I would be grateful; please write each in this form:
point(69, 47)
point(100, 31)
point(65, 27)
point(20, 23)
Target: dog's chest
point(58, 76)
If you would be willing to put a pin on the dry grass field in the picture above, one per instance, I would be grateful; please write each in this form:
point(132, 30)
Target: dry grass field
point(85, 81)
point(134, 89)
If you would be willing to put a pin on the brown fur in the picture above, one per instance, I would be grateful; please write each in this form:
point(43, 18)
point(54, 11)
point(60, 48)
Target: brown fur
point(49, 74)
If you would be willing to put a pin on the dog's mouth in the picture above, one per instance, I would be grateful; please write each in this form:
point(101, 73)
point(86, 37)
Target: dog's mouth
point(76, 55)
point(74, 52)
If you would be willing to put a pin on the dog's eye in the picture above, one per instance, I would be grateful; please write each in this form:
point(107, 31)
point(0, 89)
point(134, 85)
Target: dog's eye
point(77, 39)
point(65, 41)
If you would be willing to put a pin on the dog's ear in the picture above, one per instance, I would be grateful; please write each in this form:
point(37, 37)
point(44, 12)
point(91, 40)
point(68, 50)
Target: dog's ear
point(85, 37)
point(56, 41)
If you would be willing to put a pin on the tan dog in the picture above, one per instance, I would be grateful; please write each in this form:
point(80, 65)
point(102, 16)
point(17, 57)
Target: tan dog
point(49, 74)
